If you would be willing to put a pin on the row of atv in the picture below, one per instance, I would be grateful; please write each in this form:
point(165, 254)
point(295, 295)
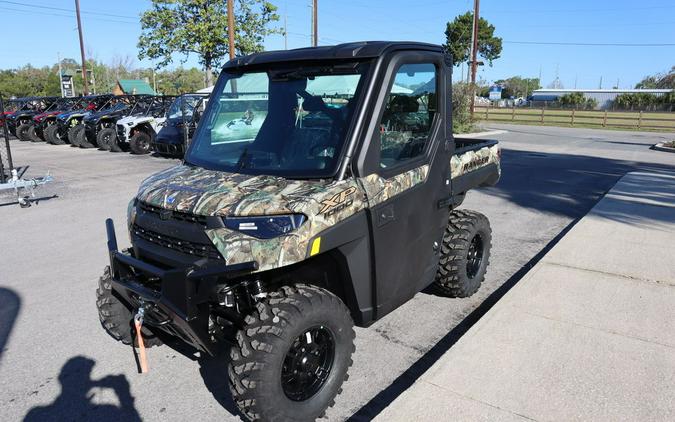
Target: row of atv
point(136, 123)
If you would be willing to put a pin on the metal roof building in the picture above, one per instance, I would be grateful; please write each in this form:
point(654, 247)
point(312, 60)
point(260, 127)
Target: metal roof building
point(604, 97)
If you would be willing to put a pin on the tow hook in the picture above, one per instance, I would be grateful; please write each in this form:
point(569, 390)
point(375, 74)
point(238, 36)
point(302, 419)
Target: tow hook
point(138, 324)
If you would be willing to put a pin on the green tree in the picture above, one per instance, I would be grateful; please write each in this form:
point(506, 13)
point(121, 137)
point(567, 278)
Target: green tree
point(659, 81)
point(200, 27)
point(517, 86)
point(458, 39)
point(573, 99)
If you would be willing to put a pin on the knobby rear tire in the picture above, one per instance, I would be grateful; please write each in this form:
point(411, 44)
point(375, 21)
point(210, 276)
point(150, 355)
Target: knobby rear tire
point(456, 277)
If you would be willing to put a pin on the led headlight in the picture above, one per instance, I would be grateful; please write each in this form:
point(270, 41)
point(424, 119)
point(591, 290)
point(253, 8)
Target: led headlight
point(265, 226)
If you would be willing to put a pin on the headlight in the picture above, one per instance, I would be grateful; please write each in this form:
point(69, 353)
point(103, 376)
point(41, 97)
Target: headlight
point(266, 226)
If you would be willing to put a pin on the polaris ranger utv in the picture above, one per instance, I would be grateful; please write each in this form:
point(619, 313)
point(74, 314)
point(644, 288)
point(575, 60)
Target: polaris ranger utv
point(69, 125)
point(43, 121)
point(139, 129)
point(99, 127)
point(21, 123)
point(286, 224)
point(180, 124)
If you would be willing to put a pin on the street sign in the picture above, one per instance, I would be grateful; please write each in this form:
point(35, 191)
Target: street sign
point(67, 85)
point(495, 93)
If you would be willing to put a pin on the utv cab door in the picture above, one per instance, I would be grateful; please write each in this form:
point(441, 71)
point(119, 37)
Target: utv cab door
point(407, 167)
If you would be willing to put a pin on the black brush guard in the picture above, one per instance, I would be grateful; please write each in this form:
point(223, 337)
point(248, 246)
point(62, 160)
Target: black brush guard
point(181, 306)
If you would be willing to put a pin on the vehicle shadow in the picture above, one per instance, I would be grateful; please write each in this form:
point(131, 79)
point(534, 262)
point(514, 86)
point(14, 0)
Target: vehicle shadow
point(213, 370)
point(75, 400)
point(563, 184)
point(10, 303)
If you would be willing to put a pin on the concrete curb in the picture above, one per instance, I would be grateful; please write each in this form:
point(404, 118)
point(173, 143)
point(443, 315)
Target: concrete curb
point(480, 134)
point(662, 147)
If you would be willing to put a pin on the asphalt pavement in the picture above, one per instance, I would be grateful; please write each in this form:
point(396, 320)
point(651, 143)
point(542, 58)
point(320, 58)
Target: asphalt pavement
point(56, 359)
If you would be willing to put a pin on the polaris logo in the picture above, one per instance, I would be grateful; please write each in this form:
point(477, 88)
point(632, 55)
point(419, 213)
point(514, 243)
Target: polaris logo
point(165, 214)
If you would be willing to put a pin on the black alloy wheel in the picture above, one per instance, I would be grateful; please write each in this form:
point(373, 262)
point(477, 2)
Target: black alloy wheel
point(474, 256)
point(308, 363)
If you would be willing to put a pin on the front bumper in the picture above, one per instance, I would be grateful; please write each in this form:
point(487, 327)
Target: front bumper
point(179, 304)
point(168, 149)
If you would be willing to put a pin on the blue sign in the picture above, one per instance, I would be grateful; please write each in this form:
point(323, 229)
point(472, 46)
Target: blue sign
point(495, 93)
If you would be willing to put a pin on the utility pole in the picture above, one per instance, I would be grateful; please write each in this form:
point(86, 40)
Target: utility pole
point(315, 23)
point(85, 87)
point(58, 55)
point(474, 53)
point(230, 26)
point(285, 31)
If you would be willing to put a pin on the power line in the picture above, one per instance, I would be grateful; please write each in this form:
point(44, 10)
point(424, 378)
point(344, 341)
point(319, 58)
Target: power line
point(606, 9)
point(31, 12)
point(582, 44)
point(68, 10)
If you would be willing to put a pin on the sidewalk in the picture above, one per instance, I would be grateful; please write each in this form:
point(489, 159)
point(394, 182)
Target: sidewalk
point(587, 334)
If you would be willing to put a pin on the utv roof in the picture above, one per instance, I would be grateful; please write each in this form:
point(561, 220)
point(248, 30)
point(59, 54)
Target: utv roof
point(353, 50)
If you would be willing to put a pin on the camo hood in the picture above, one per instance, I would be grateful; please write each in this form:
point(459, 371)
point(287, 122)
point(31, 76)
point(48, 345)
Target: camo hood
point(207, 192)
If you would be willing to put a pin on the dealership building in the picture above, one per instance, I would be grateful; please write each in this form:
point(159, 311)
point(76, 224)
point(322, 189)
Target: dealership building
point(604, 97)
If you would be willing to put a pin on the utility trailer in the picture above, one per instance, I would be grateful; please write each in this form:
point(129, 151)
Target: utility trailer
point(11, 178)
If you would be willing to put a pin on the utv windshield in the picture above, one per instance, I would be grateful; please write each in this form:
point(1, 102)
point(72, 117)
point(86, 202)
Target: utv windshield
point(285, 122)
point(183, 104)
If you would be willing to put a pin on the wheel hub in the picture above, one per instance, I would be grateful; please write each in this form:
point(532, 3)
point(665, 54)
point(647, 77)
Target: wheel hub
point(308, 363)
point(474, 257)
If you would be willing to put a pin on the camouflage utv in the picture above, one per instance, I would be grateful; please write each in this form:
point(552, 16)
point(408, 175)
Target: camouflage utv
point(319, 192)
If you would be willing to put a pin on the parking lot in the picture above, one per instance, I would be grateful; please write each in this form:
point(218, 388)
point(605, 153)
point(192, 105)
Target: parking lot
point(56, 359)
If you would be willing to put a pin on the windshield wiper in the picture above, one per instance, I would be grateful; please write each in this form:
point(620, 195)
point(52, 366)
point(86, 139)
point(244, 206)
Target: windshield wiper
point(244, 159)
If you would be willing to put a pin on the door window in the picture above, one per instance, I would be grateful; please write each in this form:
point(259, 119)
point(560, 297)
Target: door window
point(408, 115)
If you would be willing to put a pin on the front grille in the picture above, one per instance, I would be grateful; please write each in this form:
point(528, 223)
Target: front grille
point(175, 215)
point(190, 248)
point(120, 133)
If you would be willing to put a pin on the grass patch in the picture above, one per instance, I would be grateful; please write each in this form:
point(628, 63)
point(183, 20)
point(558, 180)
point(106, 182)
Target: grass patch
point(624, 120)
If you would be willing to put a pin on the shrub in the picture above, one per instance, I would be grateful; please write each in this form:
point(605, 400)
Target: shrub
point(461, 104)
point(572, 99)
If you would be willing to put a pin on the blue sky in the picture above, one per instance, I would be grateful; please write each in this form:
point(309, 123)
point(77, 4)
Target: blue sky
point(111, 29)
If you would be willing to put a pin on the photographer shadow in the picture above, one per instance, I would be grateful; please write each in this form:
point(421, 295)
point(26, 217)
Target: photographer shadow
point(75, 400)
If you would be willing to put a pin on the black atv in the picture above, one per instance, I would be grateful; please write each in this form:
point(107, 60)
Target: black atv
point(69, 125)
point(21, 122)
point(99, 128)
point(180, 124)
point(43, 121)
point(320, 191)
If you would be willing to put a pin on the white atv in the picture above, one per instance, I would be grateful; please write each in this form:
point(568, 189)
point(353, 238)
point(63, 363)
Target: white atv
point(139, 130)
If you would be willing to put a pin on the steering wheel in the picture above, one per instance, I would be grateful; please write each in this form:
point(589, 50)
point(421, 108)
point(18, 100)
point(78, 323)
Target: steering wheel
point(316, 150)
